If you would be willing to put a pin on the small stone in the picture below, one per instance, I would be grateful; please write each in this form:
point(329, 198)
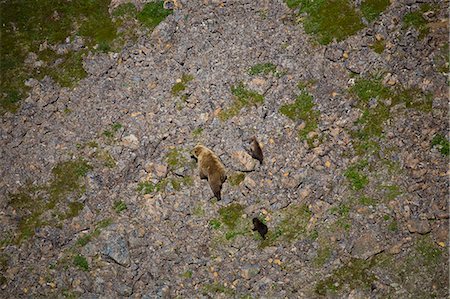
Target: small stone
point(418, 226)
point(305, 192)
point(366, 246)
point(130, 141)
point(245, 161)
point(249, 183)
point(160, 170)
point(116, 248)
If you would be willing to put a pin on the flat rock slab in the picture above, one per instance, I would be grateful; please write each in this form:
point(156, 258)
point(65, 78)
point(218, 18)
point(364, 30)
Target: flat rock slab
point(116, 248)
point(366, 246)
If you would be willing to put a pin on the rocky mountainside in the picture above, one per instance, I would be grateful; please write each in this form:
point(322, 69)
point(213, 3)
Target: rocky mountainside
point(100, 197)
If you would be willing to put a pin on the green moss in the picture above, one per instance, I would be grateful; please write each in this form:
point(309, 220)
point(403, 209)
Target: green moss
point(323, 254)
point(33, 201)
point(81, 262)
point(390, 192)
point(354, 174)
point(441, 59)
point(176, 182)
point(262, 69)
point(84, 240)
point(393, 226)
point(236, 178)
point(215, 288)
point(302, 110)
point(356, 274)
point(153, 13)
point(119, 206)
point(215, 223)
point(187, 274)
point(125, 9)
point(106, 158)
point(175, 158)
point(25, 28)
point(178, 87)
point(371, 9)
point(197, 132)
point(294, 220)
point(430, 253)
point(146, 187)
point(415, 19)
point(343, 212)
point(367, 201)
point(74, 210)
point(378, 46)
point(243, 97)
point(231, 214)
point(441, 143)
point(328, 19)
point(372, 98)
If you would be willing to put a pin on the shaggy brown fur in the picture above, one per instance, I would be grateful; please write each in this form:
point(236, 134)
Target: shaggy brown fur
point(256, 151)
point(210, 167)
point(260, 227)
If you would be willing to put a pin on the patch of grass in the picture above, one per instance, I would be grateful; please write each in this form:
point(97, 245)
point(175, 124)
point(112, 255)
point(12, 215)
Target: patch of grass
point(125, 9)
point(243, 97)
point(302, 110)
point(119, 206)
point(230, 214)
point(390, 192)
point(356, 274)
point(440, 142)
point(178, 87)
point(3, 268)
point(215, 288)
point(262, 69)
point(153, 13)
point(81, 262)
point(75, 208)
point(428, 250)
point(176, 183)
point(292, 226)
point(198, 210)
point(343, 212)
point(378, 46)
point(215, 223)
point(236, 178)
point(106, 158)
point(197, 132)
point(328, 19)
point(372, 98)
point(354, 174)
point(84, 240)
point(441, 59)
point(187, 274)
point(26, 28)
point(393, 226)
point(323, 254)
point(371, 9)
point(415, 19)
point(34, 201)
point(175, 158)
point(367, 201)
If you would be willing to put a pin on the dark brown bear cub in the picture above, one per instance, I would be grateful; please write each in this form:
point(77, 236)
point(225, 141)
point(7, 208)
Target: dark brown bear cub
point(260, 227)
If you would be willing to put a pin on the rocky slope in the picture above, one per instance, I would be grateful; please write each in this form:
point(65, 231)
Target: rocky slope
point(100, 196)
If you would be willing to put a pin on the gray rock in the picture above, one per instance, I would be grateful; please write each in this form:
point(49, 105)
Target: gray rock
point(116, 248)
point(418, 226)
point(366, 246)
